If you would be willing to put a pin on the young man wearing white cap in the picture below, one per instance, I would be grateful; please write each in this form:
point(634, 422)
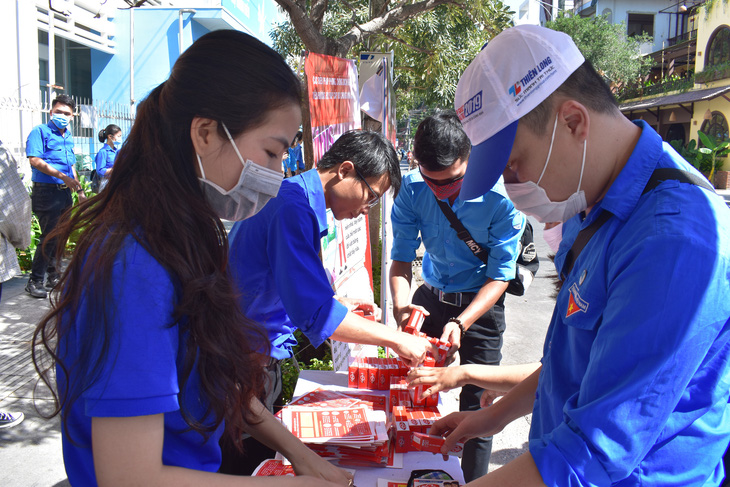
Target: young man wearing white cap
point(463, 293)
point(635, 377)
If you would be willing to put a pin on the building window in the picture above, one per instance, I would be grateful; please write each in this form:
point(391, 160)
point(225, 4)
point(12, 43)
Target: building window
point(716, 126)
point(718, 48)
point(640, 24)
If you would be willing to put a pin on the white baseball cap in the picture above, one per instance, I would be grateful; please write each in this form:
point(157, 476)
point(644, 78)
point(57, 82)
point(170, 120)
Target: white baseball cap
point(511, 75)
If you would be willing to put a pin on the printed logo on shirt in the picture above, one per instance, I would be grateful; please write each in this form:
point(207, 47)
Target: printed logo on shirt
point(575, 302)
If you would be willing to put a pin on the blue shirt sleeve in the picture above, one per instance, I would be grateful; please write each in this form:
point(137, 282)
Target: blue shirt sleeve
point(301, 281)
point(34, 146)
point(140, 375)
point(405, 227)
point(100, 161)
point(505, 232)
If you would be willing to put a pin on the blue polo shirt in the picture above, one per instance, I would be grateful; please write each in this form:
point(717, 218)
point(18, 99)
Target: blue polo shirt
point(635, 381)
point(141, 371)
point(275, 262)
point(448, 264)
point(105, 159)
point(46, 142)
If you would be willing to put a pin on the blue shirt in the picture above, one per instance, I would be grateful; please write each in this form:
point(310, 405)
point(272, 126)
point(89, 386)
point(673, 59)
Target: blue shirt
point(295, 154)
point(636, 365)
point(139, 375)
point(46, 142)
point(105, 159)
point(448, 264)
point(274, 259)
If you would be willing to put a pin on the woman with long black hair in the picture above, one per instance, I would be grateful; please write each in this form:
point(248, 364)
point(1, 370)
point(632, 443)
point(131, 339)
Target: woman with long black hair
point(154, 360)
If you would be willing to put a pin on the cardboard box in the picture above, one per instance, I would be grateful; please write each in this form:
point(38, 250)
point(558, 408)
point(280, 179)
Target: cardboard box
point(433, 444)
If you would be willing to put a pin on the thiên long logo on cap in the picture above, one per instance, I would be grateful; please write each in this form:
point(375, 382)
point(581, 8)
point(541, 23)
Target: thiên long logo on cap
point(533, 78)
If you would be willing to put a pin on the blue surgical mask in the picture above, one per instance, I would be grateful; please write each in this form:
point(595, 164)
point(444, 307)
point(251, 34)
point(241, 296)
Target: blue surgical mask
point(59, 120)
point(117, 144)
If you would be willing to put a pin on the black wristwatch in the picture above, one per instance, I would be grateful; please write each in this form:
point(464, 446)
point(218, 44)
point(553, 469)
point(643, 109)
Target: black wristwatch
point(461, 325)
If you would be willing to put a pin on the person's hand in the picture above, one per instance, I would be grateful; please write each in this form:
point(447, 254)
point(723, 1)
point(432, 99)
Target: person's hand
point(412, 349)
point(71, 183)
point(356, 303)
point(451, 333)
point(488, 396)
point(315, 466)
point(438, 378)
point(81, 195)
point(462, 426)
point(403, 314)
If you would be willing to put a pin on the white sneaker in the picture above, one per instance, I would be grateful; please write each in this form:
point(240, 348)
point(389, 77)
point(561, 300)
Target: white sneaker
point(10, 419)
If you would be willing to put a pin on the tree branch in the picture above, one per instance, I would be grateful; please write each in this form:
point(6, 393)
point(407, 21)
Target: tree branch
point(316, 13)
point(311, 37)
point(391, 36)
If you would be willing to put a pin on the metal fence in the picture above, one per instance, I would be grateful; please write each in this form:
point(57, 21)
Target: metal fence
point(19, 116)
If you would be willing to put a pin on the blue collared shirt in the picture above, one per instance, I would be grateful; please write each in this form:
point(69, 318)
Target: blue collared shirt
point(275, 262)
point(448, 264)
point(636, 365)
point(46, 142)
point(105, 159)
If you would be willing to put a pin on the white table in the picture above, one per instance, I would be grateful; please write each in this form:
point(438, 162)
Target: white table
point(310, 380)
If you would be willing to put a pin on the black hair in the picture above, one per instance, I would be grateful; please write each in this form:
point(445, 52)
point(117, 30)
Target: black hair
point(110, 129)
point(370, 152)
point(64, 100)
point(585, 86)
point(440, 141)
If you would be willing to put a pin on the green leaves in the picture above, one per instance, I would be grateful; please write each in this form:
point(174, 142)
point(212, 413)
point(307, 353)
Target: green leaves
point(608, 47)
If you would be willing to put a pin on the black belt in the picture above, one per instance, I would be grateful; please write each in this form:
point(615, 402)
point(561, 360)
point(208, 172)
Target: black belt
point(49, 185)
point(454, 299)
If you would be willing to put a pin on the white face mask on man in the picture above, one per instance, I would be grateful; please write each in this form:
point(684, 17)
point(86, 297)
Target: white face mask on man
point(255, 187)
point(531, 199)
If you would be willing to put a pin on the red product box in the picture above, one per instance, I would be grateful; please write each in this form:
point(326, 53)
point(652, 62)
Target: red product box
point(415, 322)
point(373, 373)
point(363, 371)
point(353, 371)
point(367, 314)
point(433, 444)
point(402, 435)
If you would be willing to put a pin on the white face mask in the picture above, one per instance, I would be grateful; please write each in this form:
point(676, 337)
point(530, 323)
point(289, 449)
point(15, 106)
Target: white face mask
point(530, 198)
point(553, 236)
point(255, 187)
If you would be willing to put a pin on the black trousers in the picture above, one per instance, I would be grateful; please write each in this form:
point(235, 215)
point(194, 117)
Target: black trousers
point(49, 201)
point(481, 344)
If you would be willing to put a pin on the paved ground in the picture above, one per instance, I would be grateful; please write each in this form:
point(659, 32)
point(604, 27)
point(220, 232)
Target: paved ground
point(30, 453)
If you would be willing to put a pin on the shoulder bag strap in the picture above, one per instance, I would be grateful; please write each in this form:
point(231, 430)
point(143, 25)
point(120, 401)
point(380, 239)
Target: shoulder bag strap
point(462, 232)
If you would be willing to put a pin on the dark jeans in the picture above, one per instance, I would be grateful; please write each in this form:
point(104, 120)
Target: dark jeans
point(482, 344)
point(49, 202)
point(254, 452)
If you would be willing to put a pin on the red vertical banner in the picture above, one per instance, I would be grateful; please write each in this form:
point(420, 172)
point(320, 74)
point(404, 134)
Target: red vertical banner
point(334, 107)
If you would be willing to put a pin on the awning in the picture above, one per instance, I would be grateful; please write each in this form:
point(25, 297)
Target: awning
point(676, 99)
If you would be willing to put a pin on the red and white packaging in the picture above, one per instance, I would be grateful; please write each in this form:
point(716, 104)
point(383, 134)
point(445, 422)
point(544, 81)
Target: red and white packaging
point(353, 370)
point(433, 444)
point(415, 322)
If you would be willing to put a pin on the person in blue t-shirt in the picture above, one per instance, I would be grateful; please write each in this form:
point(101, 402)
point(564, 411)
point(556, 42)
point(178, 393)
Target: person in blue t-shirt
point(634, 386)
point(111, 136)
point(295, 152)
point(50, 151)
point(286, 294)
point(463, 296)
point(154, 359)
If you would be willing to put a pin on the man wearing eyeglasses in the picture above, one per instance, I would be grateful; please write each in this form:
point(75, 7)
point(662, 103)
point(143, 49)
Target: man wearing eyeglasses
point(464, 295)
point(275, 261)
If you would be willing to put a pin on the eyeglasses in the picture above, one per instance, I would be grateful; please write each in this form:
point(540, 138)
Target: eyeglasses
point(376, 197)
